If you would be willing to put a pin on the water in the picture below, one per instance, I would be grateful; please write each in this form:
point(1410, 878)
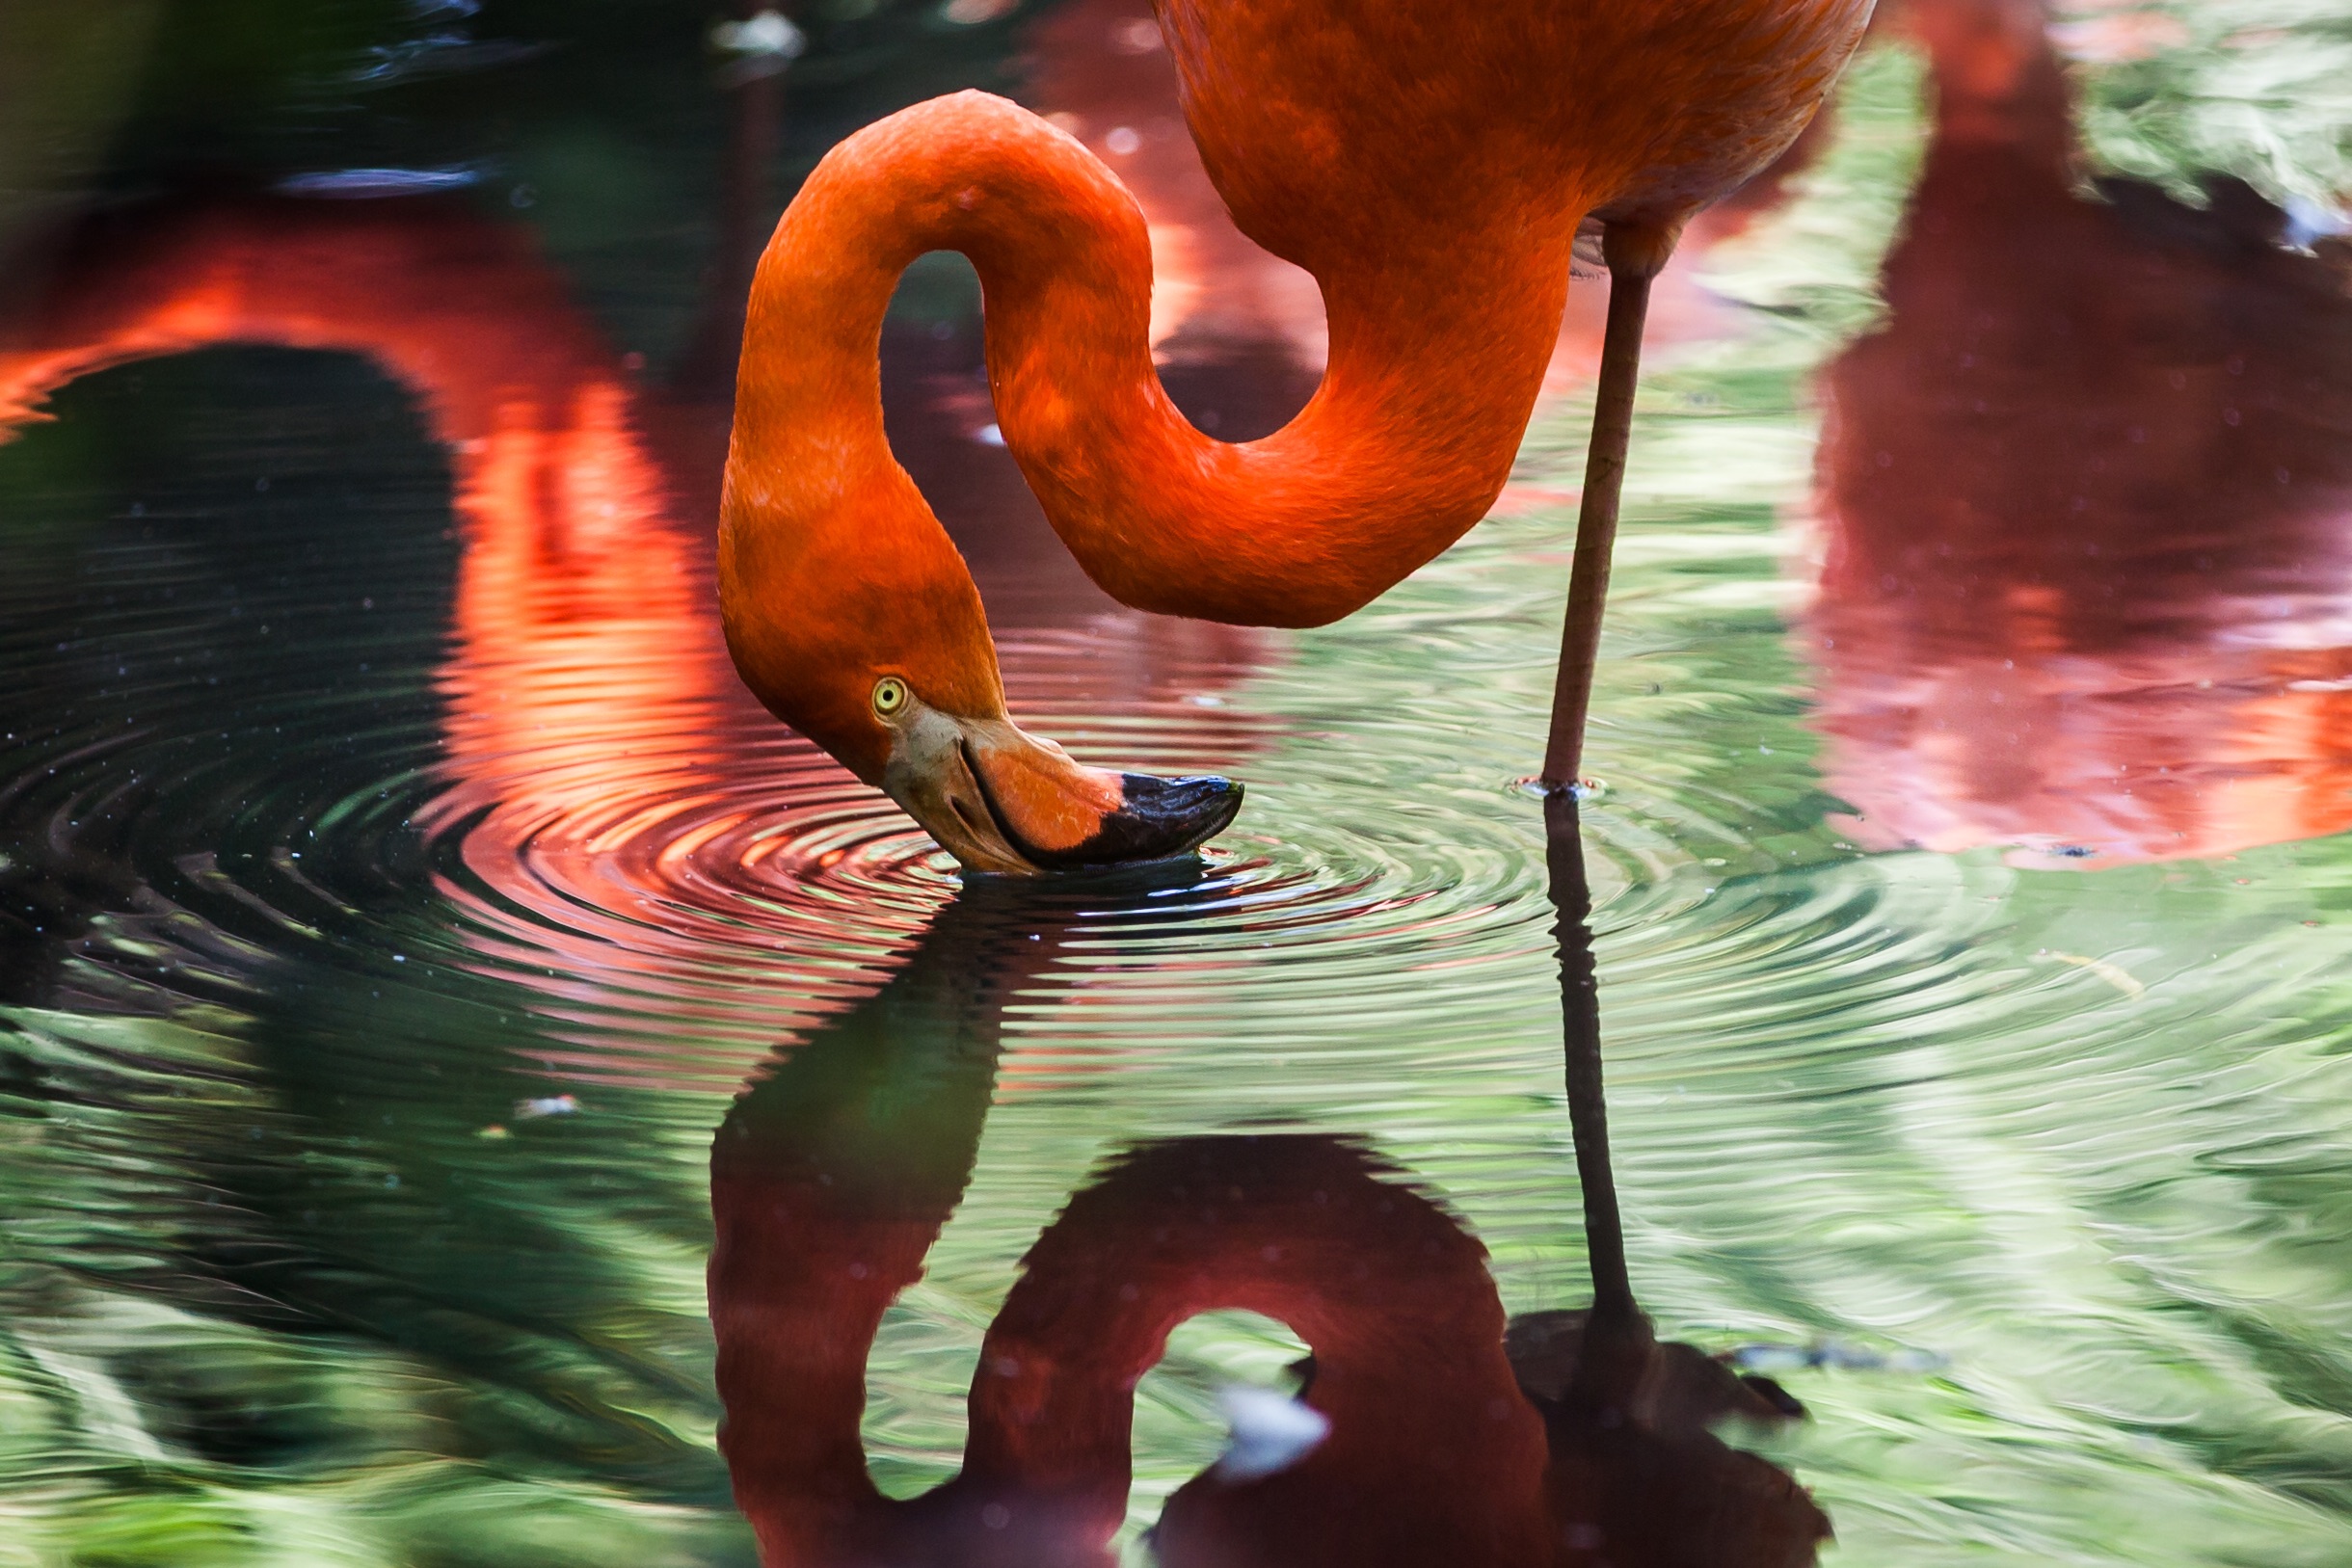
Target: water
point(400, 891)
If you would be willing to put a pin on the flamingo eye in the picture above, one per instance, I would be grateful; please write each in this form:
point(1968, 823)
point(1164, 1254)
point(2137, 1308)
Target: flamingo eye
point(890, 696)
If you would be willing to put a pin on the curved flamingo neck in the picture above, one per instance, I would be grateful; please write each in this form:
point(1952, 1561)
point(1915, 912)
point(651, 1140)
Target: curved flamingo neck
point(1438, 344)
point(1391, 1294)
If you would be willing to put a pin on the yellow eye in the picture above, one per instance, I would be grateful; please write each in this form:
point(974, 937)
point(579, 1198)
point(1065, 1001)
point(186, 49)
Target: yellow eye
point(890, 695)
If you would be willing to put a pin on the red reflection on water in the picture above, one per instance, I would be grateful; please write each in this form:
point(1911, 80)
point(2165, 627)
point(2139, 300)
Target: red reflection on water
point(834, 1174)
point(582, 648)
point(2088, 583)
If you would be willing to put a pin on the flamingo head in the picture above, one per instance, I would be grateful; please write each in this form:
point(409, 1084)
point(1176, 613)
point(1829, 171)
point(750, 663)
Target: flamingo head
point(1000, 799)
point(884, 659)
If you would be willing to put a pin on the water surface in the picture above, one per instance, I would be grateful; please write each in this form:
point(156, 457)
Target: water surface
point(400, 891)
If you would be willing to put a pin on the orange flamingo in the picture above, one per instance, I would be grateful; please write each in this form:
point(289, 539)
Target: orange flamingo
point(1429, 164)
point(1237, 333)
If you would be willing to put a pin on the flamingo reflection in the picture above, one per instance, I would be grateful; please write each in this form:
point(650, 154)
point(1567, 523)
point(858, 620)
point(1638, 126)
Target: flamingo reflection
point(2087, 494)
point(1447, 1435)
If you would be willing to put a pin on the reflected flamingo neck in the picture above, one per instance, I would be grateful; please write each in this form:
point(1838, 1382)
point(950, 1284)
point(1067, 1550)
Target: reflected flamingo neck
point(1391, 1295)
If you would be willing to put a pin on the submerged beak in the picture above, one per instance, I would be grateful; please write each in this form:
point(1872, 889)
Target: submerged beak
point(999, 799)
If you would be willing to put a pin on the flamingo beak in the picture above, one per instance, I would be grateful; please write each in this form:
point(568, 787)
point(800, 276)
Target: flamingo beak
point(1002, 800)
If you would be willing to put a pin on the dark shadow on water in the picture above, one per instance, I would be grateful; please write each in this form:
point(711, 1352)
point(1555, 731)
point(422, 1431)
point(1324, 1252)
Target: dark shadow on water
point(154, 586)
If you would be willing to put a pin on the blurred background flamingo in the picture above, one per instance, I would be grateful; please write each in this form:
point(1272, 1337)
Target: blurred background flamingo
point(2085, 498)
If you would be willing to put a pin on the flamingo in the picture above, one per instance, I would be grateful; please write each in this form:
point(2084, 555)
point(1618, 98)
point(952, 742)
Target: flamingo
point(1428, 163)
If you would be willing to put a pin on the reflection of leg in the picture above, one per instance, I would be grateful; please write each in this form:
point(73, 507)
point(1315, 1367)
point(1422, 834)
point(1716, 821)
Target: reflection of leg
point(1580, 1036)
point(1634, 1467)
point(1634, 257)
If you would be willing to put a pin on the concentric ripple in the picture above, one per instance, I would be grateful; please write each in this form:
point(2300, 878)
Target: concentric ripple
point(594, 814)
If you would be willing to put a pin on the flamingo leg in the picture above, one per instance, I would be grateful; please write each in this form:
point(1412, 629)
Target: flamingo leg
point(1596, 519)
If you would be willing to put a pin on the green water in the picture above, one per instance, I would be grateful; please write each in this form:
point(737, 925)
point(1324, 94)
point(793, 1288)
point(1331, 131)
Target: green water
point(384, 946)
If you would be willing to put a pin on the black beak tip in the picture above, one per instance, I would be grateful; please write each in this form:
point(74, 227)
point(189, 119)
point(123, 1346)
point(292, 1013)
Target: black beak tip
point(1159, 819)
